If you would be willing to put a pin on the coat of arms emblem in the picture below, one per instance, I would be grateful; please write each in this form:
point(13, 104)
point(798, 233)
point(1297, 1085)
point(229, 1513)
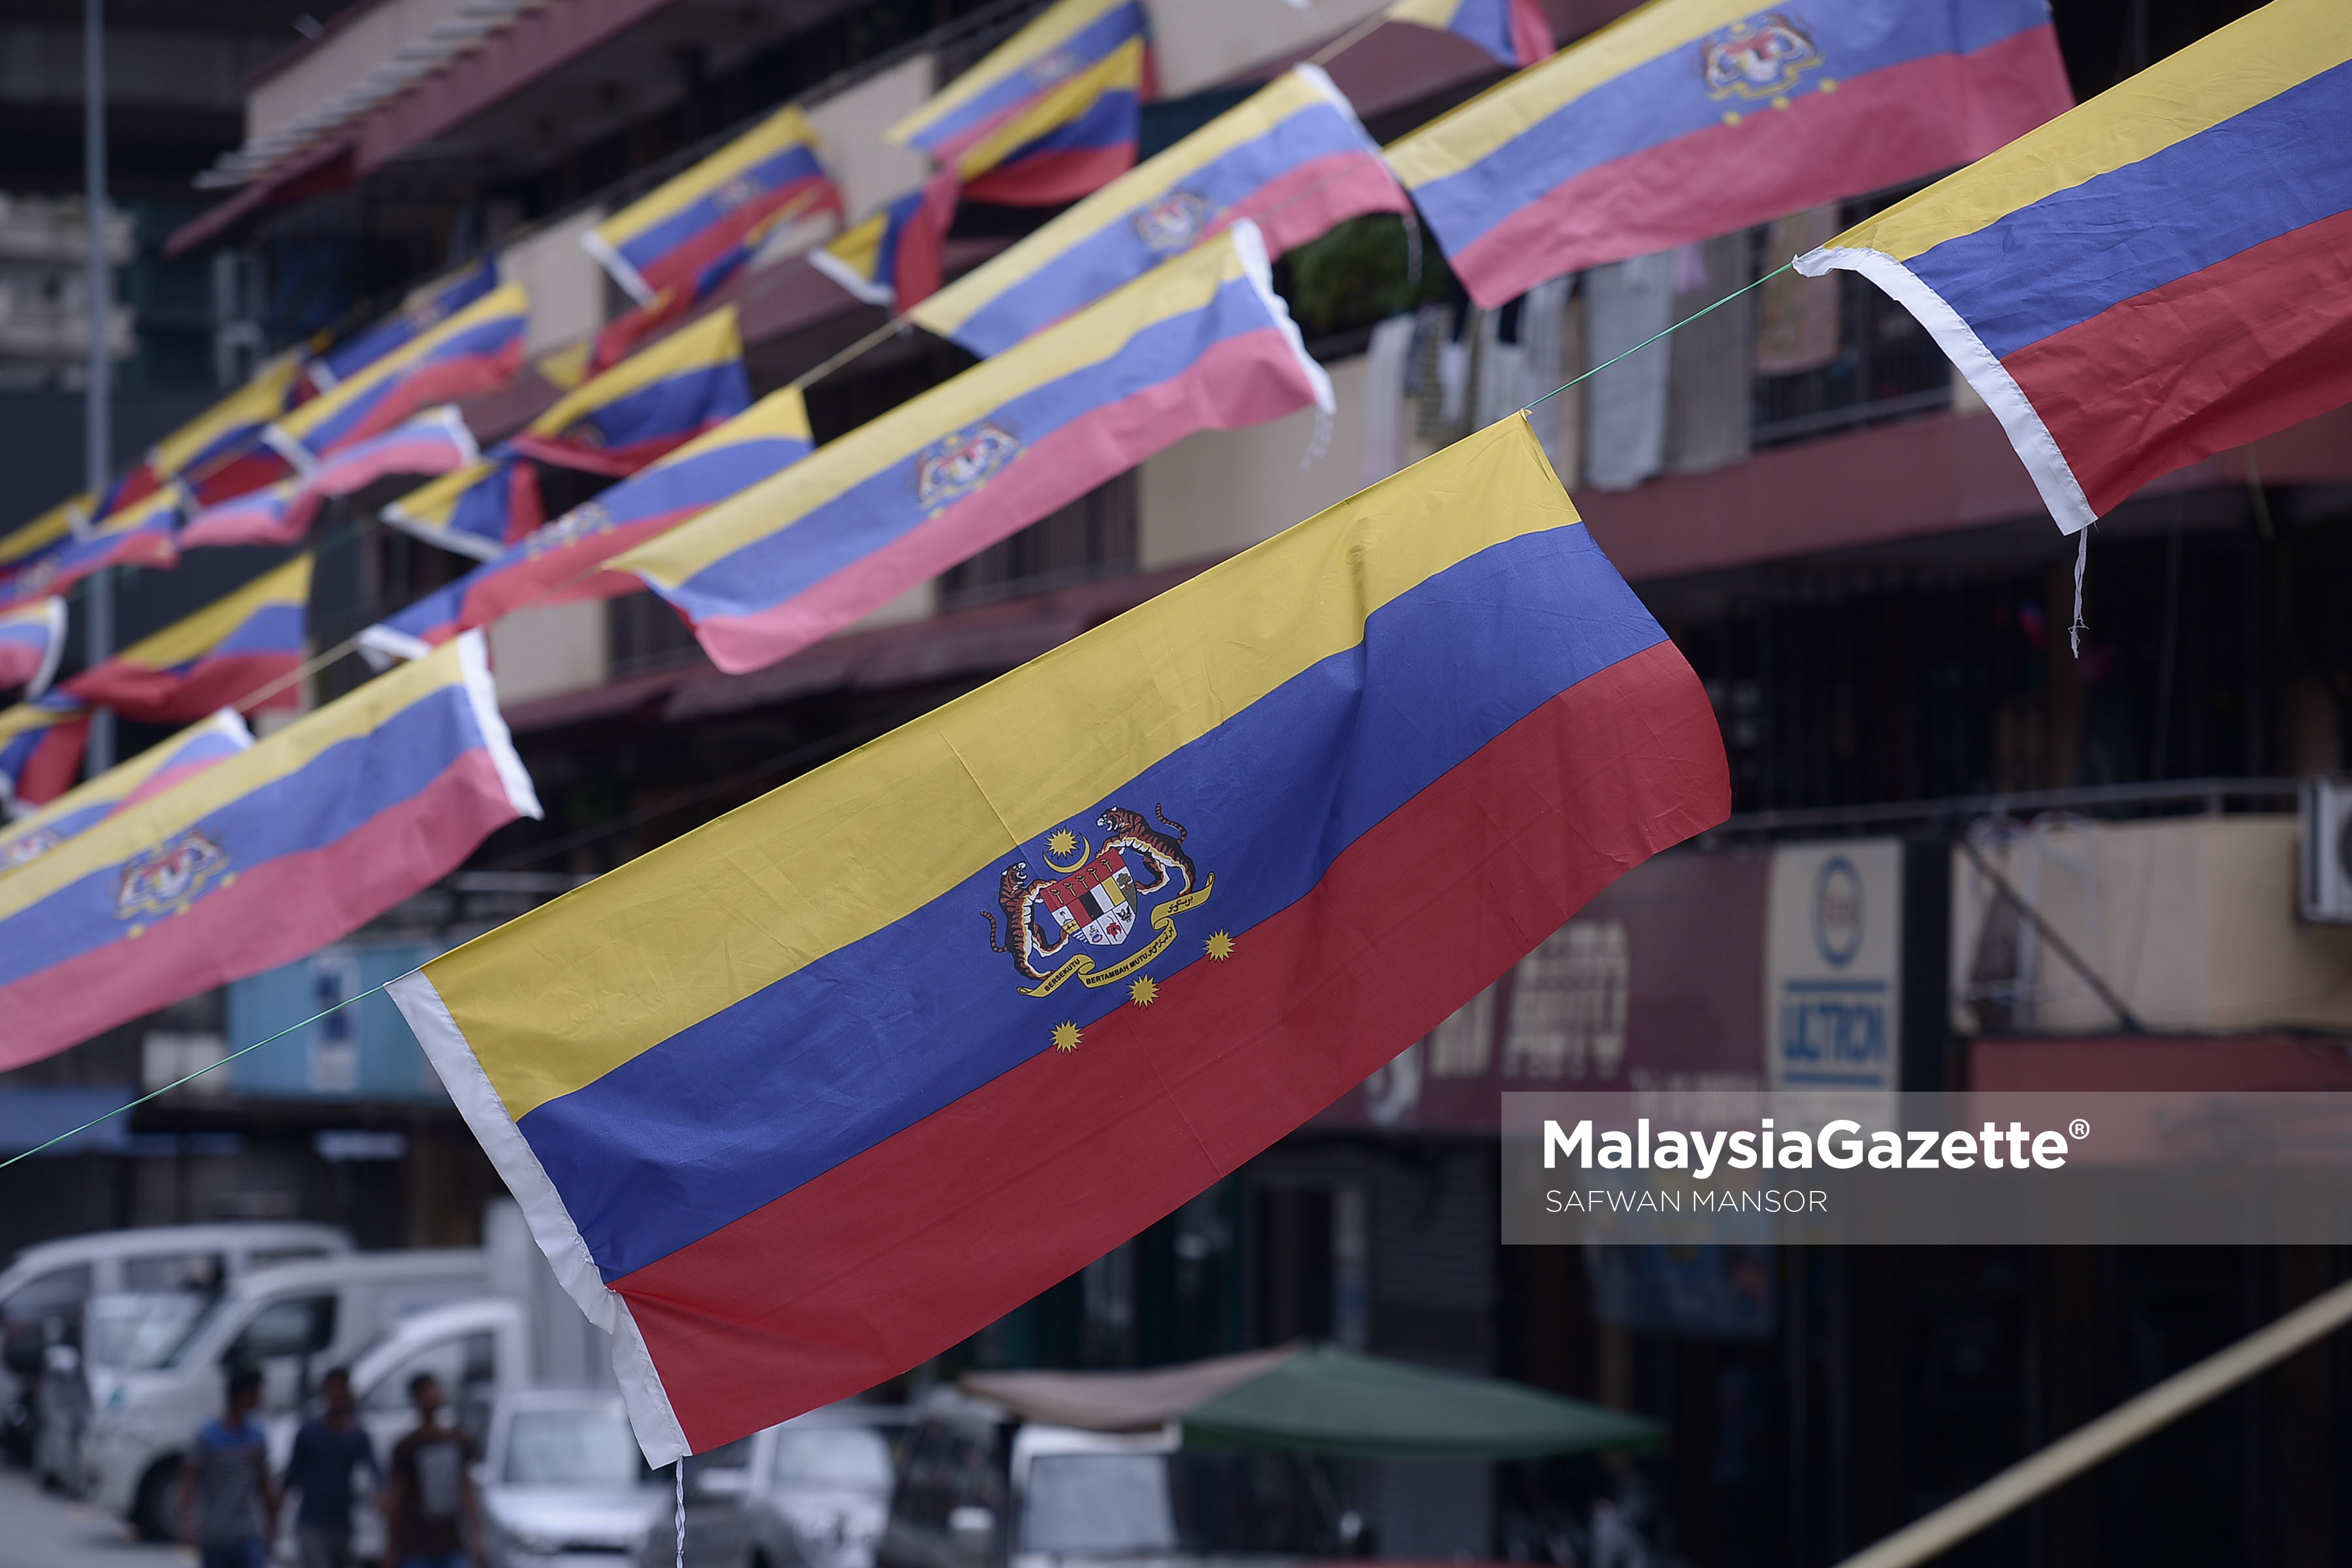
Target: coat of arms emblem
point(1172, 223)
point(1095, 898)
point(587, 518)
point(961, 463)
point(1053, 67)
point(25, 848)
point(1757, 59)
point(743, 187)
point(159, 881)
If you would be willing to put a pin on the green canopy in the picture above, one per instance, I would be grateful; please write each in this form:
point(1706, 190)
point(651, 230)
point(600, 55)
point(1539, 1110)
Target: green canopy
point(1334, 1402)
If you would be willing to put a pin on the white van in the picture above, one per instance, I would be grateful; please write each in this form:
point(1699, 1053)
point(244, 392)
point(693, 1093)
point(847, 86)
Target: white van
point(44, 1287)
point(291, 1323)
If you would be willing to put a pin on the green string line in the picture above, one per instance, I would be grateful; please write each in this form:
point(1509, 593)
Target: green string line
point(1653, 337)
point(197, 1074)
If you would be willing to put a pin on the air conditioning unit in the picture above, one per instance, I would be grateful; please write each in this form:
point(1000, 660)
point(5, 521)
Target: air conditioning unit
point(2326, 859)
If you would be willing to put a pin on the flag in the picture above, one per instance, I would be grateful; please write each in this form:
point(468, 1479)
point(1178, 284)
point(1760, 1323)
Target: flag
point(894, 258)
point(789, 1120)
point(1052, 115)
point(274, 514)
point(475, 511)
point(216, 658)
point(1067, 39)
point(558, 562)
point(1072, 142)
point(2159, 274)
point(708, 213)
point(259, 859)
point(479, 348)
point(426, 309)
point(1201, 342)
point(41, 744)
point(1515, 32)
point(1692, 118)
point(32, 640)
point(143, 533)
point(434, 442)
point(625, 334)
point(614, 423)
point(1291, 157)
point(655, 400)
point(149, 773)
point(60, 521)
point(219, 453)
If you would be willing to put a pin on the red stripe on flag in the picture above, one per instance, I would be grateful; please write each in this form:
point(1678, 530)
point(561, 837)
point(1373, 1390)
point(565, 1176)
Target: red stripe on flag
point(2207, 361)
point(162, 696)
point(1246, 379)
point(1307, 202)
point(1878, 128)
point(438, 381)
point(48, 774)
point(272, 914)
point(683, 264)
point(1051, 179)
point(891, 1256)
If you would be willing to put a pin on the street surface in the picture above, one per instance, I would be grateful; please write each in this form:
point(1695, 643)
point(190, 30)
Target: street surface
point(39, 1530)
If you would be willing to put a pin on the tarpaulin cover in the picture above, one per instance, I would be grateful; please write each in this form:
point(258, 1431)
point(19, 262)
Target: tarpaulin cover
point(1334, 1403)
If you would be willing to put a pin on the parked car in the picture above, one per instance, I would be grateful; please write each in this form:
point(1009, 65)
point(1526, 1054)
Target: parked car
point(980, 1488)
point(564, 1484)
point(44, 1290)
point(810, 1493)
point(291, 1323)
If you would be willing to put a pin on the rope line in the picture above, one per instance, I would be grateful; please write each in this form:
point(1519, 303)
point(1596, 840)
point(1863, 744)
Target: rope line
point(1653, 337)
point(200, 1072)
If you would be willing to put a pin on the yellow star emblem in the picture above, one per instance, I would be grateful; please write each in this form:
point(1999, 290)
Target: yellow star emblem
point(1062, 843)
point(1144, 992)
point(1219, 946)
point(1066, 1037)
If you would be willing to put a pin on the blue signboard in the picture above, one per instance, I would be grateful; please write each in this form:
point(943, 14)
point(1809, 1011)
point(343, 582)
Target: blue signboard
point(361, 1052)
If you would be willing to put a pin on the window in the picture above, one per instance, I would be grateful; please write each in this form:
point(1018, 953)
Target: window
point(1122, 1505)
point(176, 1272)
point(945, 1471)
point(1112, 1505)
point(299, 1326)
point(735, 1456)
point(271, 1257)
point(573, 1449)
point(141, 1331)
point(464, 1365)
point(834, 1456)
point(46, 1296)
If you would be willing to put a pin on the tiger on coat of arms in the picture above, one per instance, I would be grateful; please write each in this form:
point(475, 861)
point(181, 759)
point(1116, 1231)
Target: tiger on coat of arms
point(1093, 898)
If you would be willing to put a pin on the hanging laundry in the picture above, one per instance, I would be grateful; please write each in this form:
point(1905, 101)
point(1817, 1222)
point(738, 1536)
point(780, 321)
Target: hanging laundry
point(1626, 303)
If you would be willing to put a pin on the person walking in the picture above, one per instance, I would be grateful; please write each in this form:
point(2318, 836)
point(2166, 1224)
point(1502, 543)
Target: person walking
point(329, 1447)
point(229, 1506)
point(432, 1517)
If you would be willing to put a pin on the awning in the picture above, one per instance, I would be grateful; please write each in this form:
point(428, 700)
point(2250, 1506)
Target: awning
point(1324, 1401)
point(1122, 1401)
point(1336, 1403)
point(328, 169)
